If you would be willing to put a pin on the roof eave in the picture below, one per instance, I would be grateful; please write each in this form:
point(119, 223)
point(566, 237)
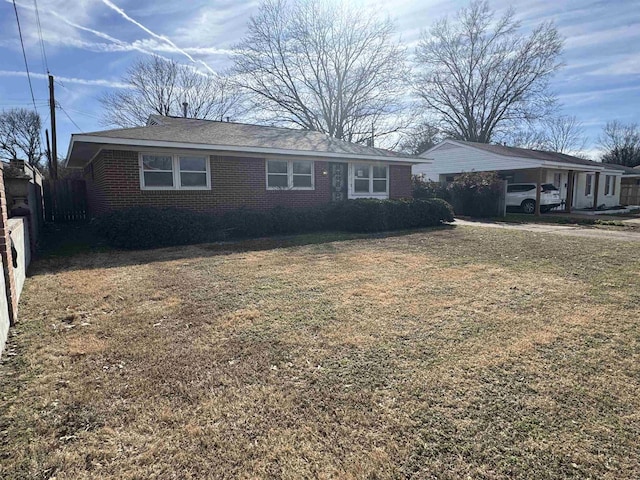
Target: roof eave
point(229, 148)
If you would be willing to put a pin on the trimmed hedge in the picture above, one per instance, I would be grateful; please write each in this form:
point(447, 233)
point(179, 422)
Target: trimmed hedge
point(148, 227)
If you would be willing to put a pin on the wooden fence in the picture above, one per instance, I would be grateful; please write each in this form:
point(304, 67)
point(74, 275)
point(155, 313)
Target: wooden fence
point(65, 200)
point(630, 194)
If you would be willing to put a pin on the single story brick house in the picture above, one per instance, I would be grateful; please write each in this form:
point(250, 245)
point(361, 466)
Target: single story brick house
point(583, 184)
point(214, 166)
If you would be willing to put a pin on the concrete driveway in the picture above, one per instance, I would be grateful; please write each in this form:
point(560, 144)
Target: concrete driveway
point(567, 230)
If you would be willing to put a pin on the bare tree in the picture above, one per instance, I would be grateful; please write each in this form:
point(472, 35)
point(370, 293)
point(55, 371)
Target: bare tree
point(20, 135)
point(530, 136)
point(480, 76)
point(565, 134)
point(160, 86)
point(621, 143)
point(420, 138)
point(324, 66)
point(562, 134)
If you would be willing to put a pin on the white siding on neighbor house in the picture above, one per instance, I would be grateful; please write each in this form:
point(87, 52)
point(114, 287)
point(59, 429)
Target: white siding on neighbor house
point(450, 158)
point(580, 200)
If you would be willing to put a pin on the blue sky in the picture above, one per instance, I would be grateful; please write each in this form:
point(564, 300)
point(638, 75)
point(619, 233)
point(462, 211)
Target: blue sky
point(89, 44)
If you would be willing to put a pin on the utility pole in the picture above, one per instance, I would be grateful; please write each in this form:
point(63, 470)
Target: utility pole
point(54, 142)
point(46, 136)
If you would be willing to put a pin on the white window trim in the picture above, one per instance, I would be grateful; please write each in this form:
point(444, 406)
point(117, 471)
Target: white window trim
point(175, 164)
point(586, 182)
point(371, 194)
point(289, 174)
point(610, 185)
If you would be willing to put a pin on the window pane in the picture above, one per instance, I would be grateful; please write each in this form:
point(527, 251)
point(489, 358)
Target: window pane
point(302, 180)
point(276, 166)
point(361, 186)
point(361, 171)
point(157, 162)
point(302, 167)
point(158, 179)
point(279, 181)
point(193, 179)
point(198, 164)
point(379, 186)
point(380, 172)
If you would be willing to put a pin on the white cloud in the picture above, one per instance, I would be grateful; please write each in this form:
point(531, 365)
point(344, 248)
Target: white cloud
point(79, 81)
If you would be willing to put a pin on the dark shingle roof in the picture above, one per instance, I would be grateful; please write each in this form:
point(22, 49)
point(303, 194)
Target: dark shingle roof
point(626, 170)
point(534, 154)
point(209, 132)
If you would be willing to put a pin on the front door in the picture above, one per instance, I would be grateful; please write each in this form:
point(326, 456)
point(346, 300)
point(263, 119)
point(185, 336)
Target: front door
point(338, 175)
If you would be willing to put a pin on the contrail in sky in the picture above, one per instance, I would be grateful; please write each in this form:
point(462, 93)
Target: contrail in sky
point(79, 81)
point(124, 15)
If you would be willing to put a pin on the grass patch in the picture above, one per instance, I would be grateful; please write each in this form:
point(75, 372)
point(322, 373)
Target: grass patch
point(447, 353)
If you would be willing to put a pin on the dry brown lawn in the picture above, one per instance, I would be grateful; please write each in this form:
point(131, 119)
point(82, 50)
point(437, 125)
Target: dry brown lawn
point(453, 353)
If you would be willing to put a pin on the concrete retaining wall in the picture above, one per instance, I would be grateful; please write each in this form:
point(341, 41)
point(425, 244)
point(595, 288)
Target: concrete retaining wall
point(20, 258)
point(4, 313)
point(19, 231)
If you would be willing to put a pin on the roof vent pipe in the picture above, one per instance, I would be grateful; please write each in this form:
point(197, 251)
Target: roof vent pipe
point(184, 109)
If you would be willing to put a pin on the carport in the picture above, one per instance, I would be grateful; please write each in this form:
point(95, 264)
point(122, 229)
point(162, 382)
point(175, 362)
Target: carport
point(583, 184)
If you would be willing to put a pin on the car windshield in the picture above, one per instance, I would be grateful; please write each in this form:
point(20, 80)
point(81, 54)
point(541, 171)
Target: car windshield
point(549, 187)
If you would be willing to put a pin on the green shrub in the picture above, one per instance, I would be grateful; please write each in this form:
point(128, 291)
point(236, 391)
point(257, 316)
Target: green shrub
point(245, 223)
point(476, 194)
point(148, 227)
point(427, 189)
point(369, 215)
point(364, 215)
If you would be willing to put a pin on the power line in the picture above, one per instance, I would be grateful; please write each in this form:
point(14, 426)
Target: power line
point(24, 54)
point(82, 112)
point(45, 64)
point(71, 119)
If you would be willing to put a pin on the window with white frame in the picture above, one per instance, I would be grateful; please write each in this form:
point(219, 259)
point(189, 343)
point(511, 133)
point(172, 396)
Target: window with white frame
point(557, 179)
point(290, 174)
point(588, 186)
point(610, 185)
point(174, 172)
point(370, 179)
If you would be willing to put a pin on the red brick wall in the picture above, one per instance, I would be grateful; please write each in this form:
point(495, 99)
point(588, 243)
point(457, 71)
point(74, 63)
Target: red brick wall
point(113, 182)
point(400, 181)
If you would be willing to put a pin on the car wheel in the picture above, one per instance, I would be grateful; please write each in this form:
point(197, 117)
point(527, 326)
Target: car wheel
point(529, 206)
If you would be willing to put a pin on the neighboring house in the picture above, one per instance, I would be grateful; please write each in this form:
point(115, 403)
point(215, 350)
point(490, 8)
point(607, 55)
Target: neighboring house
point(586, 183)
point(630, 184)
point(216, 166)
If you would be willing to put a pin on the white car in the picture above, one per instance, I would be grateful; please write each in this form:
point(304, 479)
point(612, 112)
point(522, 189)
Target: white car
point(523, 195)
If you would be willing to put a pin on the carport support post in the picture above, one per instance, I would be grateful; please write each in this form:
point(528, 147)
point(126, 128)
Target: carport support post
point(596, 190)
point(569, 199)
point(538, 192)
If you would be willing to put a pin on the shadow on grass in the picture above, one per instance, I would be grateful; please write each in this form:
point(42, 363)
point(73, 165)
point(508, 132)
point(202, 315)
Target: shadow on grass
point(549, 218)
point(76, 247)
